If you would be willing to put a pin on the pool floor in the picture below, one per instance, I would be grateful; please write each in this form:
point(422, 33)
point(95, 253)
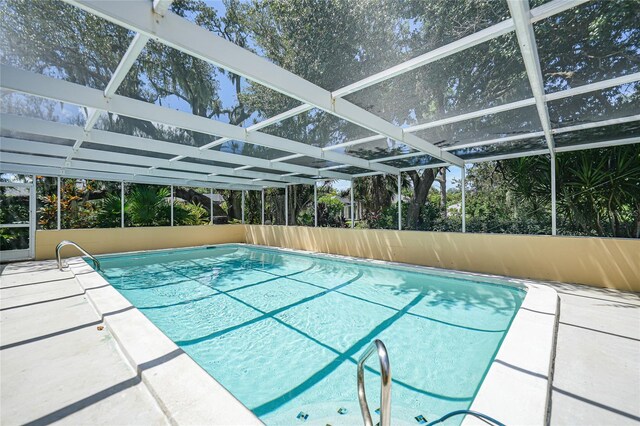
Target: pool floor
point(283, 332)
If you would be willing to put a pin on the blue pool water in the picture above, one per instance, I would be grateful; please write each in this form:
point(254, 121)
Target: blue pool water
point(283, 331)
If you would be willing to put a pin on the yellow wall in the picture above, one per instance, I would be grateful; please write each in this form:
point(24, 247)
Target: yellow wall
point(115, 240)
point(602, 262)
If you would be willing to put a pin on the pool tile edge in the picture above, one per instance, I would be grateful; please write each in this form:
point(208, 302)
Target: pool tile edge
point(186, 393)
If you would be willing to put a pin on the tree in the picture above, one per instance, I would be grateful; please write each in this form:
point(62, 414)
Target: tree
point(334, 43)
point(421, 182)
point(598, 189)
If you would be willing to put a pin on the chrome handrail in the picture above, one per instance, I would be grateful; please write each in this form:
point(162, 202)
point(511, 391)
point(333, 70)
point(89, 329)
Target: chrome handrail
point(71, 243)
point(385, 384)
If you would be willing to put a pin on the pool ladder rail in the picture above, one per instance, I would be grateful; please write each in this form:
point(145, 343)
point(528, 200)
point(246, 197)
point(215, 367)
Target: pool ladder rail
point(385, 384)
point(71, 243)
point(385, 391)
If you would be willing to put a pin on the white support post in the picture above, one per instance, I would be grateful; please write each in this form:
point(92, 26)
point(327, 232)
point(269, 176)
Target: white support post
point(463, 173)
point(286, 205)
point(58, 204)
point(315, 204)
point(211, 206)
point(352, 206)
point(171, 205)
point(399, 201)
point(33, 217)
point(553, 195)
point(262, 205)
point(122, 204)
point(242, 208)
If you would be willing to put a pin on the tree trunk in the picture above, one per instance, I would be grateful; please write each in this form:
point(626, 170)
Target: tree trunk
point(192, 196)
point(421, 185)
point(637, 230)
point(293, 205)
point(443, 191)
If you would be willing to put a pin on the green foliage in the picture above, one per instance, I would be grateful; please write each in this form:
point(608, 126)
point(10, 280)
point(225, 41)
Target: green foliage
point(109, 211)
point(148, 205)
point(500, 200)
point(330, 211)
point(47, 202)
point(386, 219)
point(6, 239)
point(599, 192)
point(190, 214)
point(48, 213)
point(14, 208)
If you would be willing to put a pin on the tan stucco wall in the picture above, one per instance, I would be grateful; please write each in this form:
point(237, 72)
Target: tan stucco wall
point(602, 262)
point(115, 240)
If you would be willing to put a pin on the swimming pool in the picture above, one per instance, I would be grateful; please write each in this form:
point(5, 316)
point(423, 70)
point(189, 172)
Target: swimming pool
point(283, 331)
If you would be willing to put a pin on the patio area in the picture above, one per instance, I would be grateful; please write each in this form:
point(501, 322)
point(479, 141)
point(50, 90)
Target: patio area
point(57, 364)
point(50, 337)
point(491, 146)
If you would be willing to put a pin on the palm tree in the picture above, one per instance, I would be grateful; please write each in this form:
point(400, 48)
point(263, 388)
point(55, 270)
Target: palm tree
point(147, 205)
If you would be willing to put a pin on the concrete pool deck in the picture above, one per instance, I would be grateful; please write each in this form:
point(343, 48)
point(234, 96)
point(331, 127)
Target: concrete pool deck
point(57, 365)
point(597, 365)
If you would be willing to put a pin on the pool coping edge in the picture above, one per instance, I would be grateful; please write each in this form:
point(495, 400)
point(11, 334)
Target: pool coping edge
point(515, 389)
point(185, 392)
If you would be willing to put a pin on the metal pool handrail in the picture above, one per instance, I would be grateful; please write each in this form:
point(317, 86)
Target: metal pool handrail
point(71, 243)
point(385, 384)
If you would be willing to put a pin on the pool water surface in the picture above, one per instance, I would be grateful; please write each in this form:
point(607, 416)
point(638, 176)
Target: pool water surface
point(283, 331)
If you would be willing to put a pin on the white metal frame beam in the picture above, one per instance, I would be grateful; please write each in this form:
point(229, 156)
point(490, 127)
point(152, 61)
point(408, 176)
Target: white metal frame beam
point(601, 85)
point(352, 205)
point(35, 148)
point(399, 201)
point(187, 37)
point(161, 6)
point(528, 48)
point(124, 169)
point(36, 126)
point(122, 203)
point(59, 90)
point(54, 171)
point(315, 204)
